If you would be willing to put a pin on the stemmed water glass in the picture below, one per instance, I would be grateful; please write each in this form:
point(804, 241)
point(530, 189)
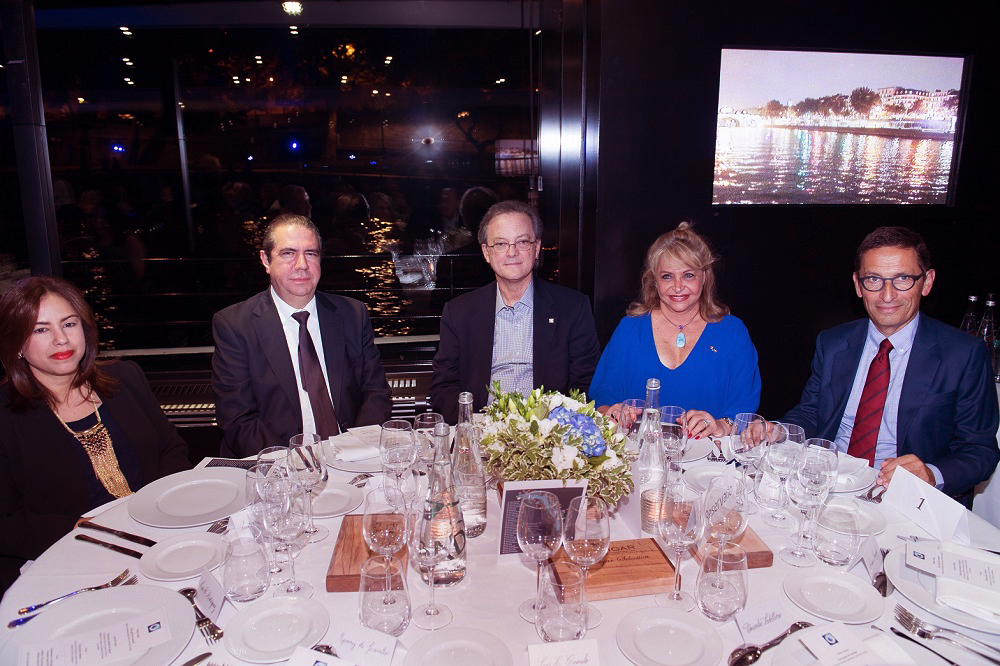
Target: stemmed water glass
point(255, 479)
point(285, 518)
point(306, 463)
point(779, 462)
point(586, 538)
point(423, 426)
point(672, 422)
point(722, 581)
point(398, 450)
point(681, 525)
point(808, 486)
point(725, 509)
point(749, 443)
point(539, 531)
point(429, 550)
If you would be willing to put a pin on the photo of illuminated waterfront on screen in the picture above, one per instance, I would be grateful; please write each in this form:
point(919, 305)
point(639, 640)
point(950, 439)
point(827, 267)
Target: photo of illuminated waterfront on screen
point(806, 127)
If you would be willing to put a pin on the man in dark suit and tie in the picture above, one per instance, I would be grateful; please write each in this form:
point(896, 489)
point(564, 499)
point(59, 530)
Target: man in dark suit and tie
point(291, 359)
point(899, 388)
point(522, 332)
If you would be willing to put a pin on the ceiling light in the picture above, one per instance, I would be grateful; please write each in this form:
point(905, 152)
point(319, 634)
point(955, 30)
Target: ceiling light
point(292, 8)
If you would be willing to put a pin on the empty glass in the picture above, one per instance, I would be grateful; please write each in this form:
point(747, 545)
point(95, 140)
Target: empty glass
point(244, 571)
point(837, 538)
point(539, 532)
point(383, 525)
point(428, 551)
point(586, 538)
point(383, 603)
point(561, 606)
point(285, 518)
point(681, 526)
point(629, 418)
point(397, 447)
point(722, 581)
point(780, 461)
point(423, 426)
point(672, 422)
point(749, 443)
point(306, 462)
point(255, 514)
point(808, 486)
point(725, 509)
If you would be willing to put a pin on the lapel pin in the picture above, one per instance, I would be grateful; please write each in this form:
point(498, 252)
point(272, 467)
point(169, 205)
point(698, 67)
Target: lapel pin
point(713, 349)
point(552, 321)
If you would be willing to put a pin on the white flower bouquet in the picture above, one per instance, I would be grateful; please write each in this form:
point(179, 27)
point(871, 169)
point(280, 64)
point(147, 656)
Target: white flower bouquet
point(547, 435)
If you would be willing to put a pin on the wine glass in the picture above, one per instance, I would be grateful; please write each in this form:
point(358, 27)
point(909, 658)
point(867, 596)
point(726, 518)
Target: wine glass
point(780, 461)
point(725, 509)
point(672, 422)
point(383, 525)
point(285, 514)
point(838, 534)
point(722, 581)
point(383, 603)
point(586, 538)
point(629, 418)
point(808, 486)
point(561, 603)
point(255, 478)
point(423, 425)
point(749, 443)
point(306, 461)
point(681, 526)
point(397, 447)
point(539, 531)
point(409, 488)
point(429, 550)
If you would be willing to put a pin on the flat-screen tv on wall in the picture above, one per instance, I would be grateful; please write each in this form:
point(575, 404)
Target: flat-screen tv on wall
point(829, 128)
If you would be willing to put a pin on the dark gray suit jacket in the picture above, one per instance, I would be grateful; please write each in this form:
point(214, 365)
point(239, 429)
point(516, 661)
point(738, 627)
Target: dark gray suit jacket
point(257, 402)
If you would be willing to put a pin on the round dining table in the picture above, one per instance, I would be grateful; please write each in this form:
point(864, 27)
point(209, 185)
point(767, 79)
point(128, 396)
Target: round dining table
point(487, 599)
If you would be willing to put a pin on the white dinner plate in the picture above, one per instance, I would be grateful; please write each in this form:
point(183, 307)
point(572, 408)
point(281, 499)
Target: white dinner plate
point(870, 520)
point(834, 595)
point(919, 588)
point(698, 449)
point(667, 637)
point(698, 477)
point(91, 611)
point(191, 498)
point(791, 650)
point(336, 499)
point(370, 465)
point(459, 646)
point(183, 556)
point(270, 629)
point(865, 480)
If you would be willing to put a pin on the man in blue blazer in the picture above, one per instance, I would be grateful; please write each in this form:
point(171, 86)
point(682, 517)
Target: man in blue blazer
point(522, 332)
point(260, 398)
point(940, 413)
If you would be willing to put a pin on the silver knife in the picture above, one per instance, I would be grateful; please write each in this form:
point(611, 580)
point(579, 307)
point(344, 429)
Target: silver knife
point(197, 660)
point(128, 536)
point(109, 546)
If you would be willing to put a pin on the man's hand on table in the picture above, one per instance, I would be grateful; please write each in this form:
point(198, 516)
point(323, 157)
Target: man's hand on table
point(911, 463)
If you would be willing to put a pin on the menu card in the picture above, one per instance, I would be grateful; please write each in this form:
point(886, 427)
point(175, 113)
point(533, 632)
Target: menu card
point(967, 579)
point(510, 505)
point(123, 641)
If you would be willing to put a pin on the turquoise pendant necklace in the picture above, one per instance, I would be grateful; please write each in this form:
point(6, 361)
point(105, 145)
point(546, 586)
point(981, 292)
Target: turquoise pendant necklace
point(681, 339)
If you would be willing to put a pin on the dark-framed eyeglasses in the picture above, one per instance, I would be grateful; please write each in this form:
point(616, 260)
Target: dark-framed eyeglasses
point(522, 245)
point(899, 282)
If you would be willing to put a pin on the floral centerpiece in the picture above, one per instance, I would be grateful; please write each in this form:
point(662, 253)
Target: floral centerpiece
point(547, 435)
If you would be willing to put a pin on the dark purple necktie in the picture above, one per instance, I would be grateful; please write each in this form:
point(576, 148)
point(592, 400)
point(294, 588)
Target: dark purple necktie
point(324, 414)
point(864, 435)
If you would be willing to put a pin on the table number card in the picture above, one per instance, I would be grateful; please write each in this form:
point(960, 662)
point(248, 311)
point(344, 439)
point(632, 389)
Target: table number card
point(564, 653)
point(510, 505)
point(210, 595)
point(928, 507)
point(361, 645)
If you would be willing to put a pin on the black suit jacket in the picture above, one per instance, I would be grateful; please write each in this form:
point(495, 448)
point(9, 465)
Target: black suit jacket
point(42, 488)
point(565, 347)
point(257, 402)
point(947, 406)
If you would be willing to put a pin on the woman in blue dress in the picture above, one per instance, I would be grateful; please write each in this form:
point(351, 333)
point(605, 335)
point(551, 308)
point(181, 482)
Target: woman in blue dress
point(681, 333)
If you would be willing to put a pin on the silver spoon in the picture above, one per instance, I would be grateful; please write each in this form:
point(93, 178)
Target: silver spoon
point(748, 654)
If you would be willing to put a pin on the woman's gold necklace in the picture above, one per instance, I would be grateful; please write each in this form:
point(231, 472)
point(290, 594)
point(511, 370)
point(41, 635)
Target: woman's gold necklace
point(681, 339)
point(96, 442)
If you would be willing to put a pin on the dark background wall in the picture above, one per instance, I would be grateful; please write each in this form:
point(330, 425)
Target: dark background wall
point(786, 269)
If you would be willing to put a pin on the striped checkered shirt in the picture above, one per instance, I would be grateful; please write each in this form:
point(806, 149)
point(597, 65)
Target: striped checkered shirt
point(513, 343)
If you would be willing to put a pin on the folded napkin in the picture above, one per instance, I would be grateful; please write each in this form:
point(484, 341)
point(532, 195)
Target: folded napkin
point(355, 444)
point(850, 470)
point(970, 581)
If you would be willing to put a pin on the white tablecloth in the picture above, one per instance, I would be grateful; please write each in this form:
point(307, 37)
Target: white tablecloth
point(487, 599)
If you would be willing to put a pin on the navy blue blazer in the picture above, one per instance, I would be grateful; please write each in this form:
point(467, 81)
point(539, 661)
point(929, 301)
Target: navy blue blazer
point(948, 411)
point(565, 349)
point(257, 402)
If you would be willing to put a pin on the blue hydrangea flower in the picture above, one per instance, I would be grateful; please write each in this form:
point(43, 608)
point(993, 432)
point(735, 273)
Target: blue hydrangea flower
point(582, 425)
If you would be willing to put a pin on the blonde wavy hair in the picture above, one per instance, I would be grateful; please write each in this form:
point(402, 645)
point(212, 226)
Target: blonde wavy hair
point(686, 246)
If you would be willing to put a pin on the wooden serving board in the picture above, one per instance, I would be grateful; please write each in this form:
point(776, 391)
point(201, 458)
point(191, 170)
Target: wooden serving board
point(631, 568)
point(351, 551)
point(759, 556)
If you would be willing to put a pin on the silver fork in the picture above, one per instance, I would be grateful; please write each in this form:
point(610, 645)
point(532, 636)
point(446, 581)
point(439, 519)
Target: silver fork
point(210, 630)
point(870, 496)
point(360, 480)
point(111, 583)
point(24, 620)
point(923, 629)
point(219, 526)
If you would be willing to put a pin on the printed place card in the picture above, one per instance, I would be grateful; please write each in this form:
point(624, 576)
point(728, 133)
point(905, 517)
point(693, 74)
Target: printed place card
point(120, 642)
point(564, 653)
point(836, 644)
point(925, 505)
point(763, 621)
point(305, 657)
point(510, 505)
point(210, 595)
point(361, 645)
point(871, 555)
point(239, 523)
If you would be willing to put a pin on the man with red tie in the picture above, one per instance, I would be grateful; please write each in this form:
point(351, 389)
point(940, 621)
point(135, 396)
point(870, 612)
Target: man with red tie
point(901, 389)
point(292, 359)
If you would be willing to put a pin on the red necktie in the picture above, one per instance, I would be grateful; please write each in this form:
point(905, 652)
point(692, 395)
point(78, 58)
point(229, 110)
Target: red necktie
point(864, 435)
point(324, 414)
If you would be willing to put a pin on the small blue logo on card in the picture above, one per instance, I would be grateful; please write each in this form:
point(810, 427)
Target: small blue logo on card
point(920, 556)
point(156, 626)
point(830, 638)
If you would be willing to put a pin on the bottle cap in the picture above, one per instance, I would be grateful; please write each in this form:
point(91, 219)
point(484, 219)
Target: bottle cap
point(652, 383)
point(465, 398)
